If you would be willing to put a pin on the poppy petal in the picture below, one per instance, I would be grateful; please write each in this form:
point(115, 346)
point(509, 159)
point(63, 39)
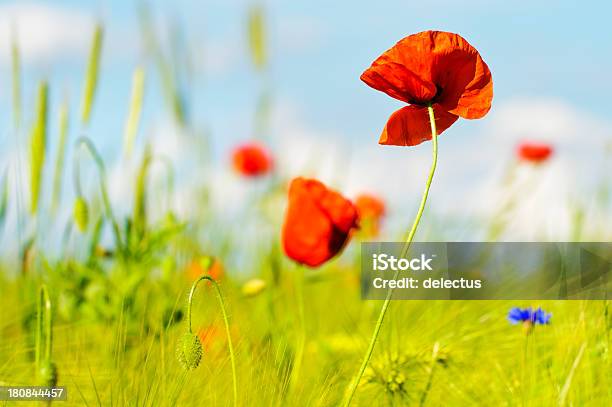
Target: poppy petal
point(410, 125)
point(464, 79)
point(399, 82)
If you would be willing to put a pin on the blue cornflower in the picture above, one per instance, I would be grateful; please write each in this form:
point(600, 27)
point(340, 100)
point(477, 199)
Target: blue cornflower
point(529, 316)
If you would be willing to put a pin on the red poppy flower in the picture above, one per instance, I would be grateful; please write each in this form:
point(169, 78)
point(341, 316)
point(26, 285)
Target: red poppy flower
point(370, 209)
point(369, 206)
point(196, 268)
point(534, 152)
point(430, 68)
point(318, 222)
point(252, 160)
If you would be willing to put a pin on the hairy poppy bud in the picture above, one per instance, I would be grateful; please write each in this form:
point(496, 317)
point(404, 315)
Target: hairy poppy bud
point(81, 213)
point(189, 351)
point(48, 374)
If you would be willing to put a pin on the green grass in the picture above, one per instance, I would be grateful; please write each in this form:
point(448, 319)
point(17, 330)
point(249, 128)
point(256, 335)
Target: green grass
point(126, 355)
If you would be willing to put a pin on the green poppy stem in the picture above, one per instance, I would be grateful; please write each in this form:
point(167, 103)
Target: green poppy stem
point(225, 320)
point(383, 311)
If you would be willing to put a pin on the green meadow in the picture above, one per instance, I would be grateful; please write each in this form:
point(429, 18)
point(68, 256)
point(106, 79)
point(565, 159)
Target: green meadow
point(100, 298)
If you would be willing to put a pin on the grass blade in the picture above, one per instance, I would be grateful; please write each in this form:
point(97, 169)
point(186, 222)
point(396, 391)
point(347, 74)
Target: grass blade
point(570, 376)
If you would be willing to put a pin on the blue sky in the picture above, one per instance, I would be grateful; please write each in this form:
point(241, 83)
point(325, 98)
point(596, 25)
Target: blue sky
point(550, 62)
point(556, 49)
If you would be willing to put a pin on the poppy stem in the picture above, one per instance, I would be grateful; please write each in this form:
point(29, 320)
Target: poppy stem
point(225, 320)
point(383, 311)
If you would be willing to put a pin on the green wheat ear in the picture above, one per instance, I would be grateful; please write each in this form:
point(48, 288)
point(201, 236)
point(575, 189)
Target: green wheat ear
point(91, 78)
point(81, 213)
point(189, 351)
point(48, 374)
point(257, 37)
point(38, 141)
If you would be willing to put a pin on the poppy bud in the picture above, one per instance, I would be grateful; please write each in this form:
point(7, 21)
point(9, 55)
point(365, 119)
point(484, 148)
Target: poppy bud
point(189, 351)
point(48, 374)
point(81, 213)
point(253, 287)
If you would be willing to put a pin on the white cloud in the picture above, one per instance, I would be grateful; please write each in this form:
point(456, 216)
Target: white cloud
point(467, 183)
point(44, 32)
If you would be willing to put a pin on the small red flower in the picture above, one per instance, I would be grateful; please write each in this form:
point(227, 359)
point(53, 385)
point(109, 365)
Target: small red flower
point(199, 266)
point(534, 152)
point(371, 209)
point(318, 222)
point(430, 68)
point(252, 160)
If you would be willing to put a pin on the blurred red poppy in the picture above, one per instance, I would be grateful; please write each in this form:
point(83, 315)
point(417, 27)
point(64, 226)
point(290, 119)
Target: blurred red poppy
point(318, 222)
point(534, 152)
point(252, 160)
point(200, 266)
point(209, 335)
point(371, 209)
point(434, 68)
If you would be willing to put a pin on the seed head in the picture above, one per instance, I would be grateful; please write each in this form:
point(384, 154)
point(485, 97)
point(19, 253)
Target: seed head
point(81, 213)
